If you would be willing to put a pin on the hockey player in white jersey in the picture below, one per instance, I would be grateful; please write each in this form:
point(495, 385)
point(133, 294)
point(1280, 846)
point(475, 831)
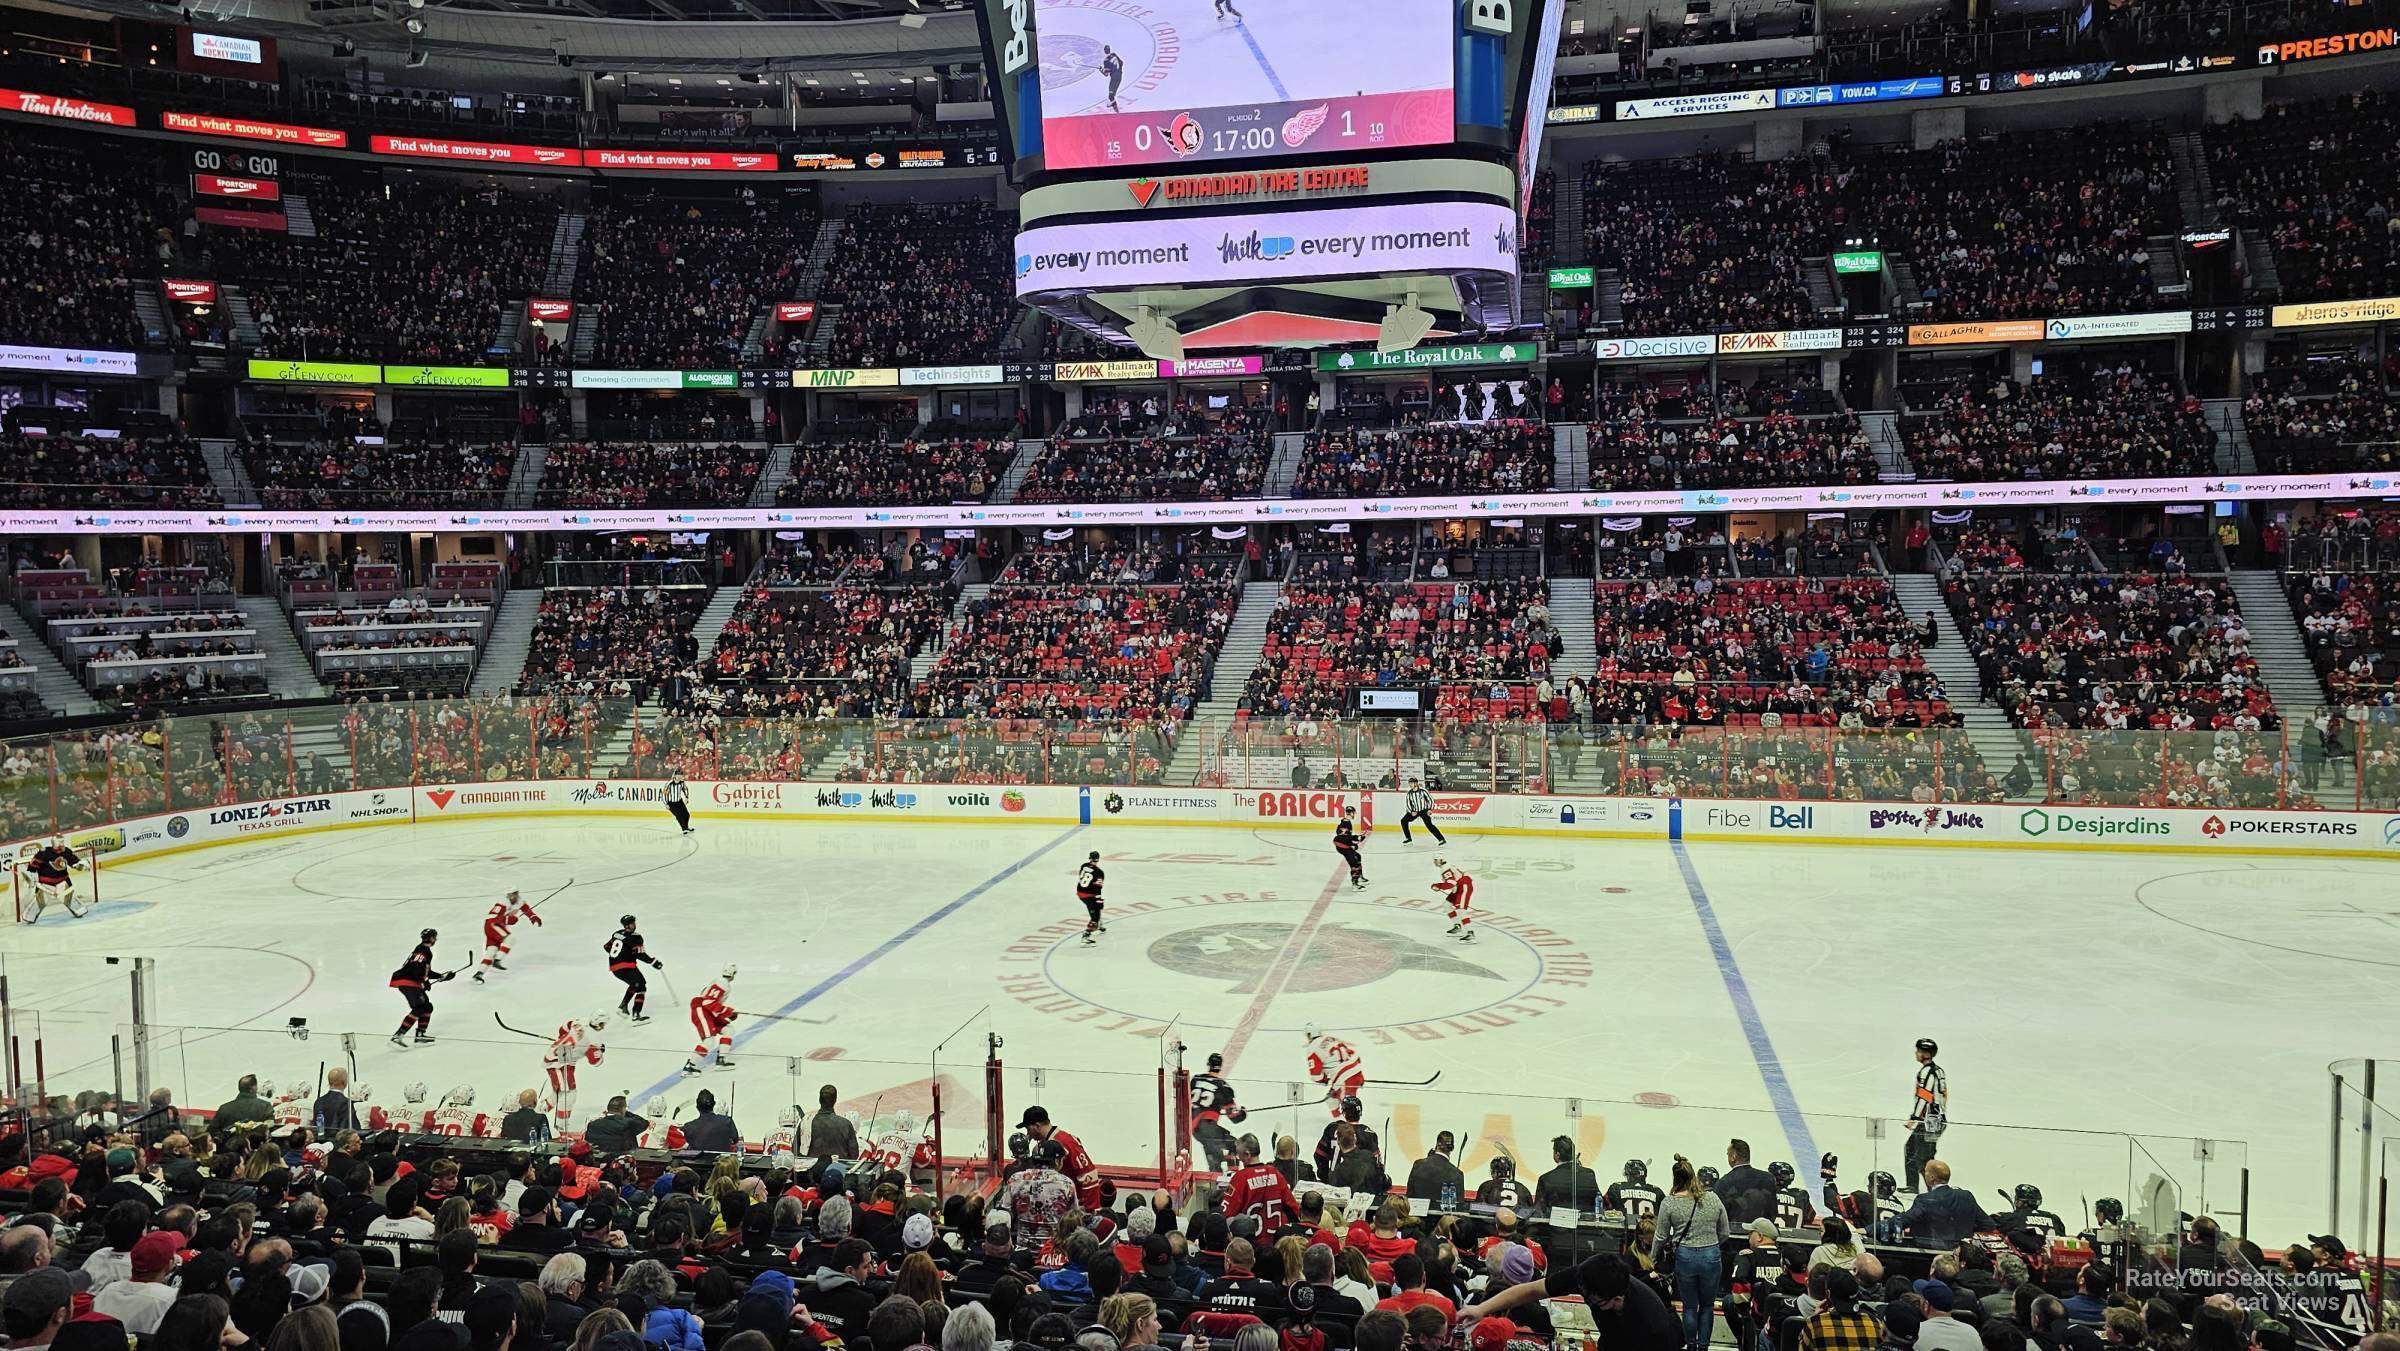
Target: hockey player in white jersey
point(457, 1114)
point(1334, 1064)
point(786, 1137)
point(577, 1046)
point(661, 1133)
point(411, 1116)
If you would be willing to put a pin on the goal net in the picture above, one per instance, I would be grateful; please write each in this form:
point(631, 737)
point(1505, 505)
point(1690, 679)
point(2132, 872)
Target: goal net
point(77, 898)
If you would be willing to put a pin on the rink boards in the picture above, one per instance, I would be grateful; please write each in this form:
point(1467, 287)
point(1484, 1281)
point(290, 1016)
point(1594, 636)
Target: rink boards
point(1991, 826)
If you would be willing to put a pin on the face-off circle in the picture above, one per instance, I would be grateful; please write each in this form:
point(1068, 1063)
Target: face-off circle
point(1073, 78)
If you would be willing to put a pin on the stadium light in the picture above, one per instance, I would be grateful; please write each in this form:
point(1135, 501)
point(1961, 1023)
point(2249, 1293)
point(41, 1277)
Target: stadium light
point(1404, 326)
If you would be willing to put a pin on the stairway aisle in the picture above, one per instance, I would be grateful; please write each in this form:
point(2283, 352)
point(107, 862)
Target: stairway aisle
point(721, 603)
point(2276, 642)
point(53, 683)
point(1013, 477)
point(1245, 640)
point(505, 646)
point(290, 674)
point(1571, 615)
point(1996, 738)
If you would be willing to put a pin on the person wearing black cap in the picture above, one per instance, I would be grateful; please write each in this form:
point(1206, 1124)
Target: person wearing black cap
point(1089, 879)
point(1929, 1113)
point(1212, 1105)
point(36, 1306)
point(1627, 1315)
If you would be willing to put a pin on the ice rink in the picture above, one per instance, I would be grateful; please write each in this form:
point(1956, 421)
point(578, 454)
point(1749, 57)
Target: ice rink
point(2096, 1011)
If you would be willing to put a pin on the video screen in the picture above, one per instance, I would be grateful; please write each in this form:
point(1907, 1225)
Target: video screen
point(1127, 83)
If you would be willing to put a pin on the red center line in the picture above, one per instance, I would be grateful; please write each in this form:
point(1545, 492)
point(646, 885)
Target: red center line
point(1280, 974)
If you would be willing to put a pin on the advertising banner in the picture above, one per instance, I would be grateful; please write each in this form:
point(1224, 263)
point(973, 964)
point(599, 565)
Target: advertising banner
point(252, 129)
point(2340, 44)
point(879, 378)
point(448, 377)
point(320, 372)
point(240, 220)
point(65, 360)
point(727, 161)
point(1416, 358)
point(1632, 349)
point(952, 375)
point(627, 380)
point(479, 152)
point(1258, 247)
point(550, 311)
point(251, 189)
point(1071, 371)
point(1790, 340)
point(1850, 264)
point(190, 292)
point(2318, 313)
point(1191, 367)
point(1694, 105)
point(2118, 326)
point(1954, 335)
point(66, 109)
point(795, 311)
point(1562, 278)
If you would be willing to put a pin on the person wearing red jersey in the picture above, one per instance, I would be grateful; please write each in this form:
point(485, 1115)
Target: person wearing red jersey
point(711, 1015)
point(1258, 1190)
point(576, 1045)
point(1459, 890)
point(1075, 1161)
point(414, 980)
point(503, 917)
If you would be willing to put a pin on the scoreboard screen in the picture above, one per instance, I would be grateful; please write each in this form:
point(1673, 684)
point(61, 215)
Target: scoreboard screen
point(1126, 83)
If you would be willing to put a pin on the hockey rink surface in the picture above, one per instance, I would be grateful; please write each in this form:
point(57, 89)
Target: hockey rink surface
point(1645, 998)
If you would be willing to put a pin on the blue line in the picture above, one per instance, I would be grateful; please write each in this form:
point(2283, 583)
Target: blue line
point(1255, 50)
point(1762, 1048)
point(885, 949)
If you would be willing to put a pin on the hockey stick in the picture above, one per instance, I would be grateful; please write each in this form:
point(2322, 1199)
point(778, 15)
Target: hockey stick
point(537, 905)
point(787, 1018)
point(518, 1030)
point(1407, 1083)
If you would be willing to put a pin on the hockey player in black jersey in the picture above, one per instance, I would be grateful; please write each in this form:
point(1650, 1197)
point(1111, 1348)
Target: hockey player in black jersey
point(415, 980)
point(1212, 1107)
point(1635, 1198)
point(1793, 1209)
point(1345, 843)
point(1761, 1279)
point(1503, 1188)
point(626, 958)
point(2025, 1212)
point(1089, 879)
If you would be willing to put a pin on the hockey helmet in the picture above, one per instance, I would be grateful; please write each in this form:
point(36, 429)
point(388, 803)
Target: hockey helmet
point(655, 1109)
point(1352, 1108)
point(512, 895)
point(413, 1093)
point(361, 1091)
point(2027, 1196)
point(904, 1121)
point(626, 920)
point(1018, 1144)
point(1928, 1046)
point(2108, 1210)
point(461, 1096)
point(1312, 1031)
point(788, 1118)
point(1216, 1061)
point(1883, 1184)
point(428, 935)
point(1636, 1171)
point(729, 972)
point(1783, 1173)
point(1504, 1168)
point(1707, 1176)
point(597, 1020)
point(266, 1089)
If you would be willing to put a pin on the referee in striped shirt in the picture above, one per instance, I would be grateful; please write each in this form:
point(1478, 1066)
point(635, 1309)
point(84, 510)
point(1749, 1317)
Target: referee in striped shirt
point(678, 794)
point(1928, 1113)
point(1420, 808)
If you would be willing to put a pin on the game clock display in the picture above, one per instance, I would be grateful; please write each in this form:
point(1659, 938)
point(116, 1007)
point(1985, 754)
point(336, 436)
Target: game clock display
point(1189, 81)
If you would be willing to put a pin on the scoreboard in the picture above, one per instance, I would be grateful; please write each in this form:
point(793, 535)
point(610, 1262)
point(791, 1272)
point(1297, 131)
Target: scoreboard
point(1239, 172)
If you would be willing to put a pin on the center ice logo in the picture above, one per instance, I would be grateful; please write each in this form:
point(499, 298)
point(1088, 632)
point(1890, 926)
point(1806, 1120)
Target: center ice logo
point(1339, 957)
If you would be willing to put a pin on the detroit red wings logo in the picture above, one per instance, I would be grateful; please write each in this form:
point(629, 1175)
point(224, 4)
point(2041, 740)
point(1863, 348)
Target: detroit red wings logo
point(1303, 124)
point(1183, 135)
